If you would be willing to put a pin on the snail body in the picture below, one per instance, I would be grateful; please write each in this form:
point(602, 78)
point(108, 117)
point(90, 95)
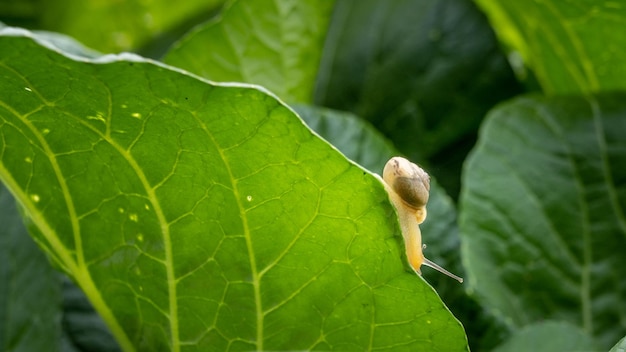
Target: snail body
point(408, 187)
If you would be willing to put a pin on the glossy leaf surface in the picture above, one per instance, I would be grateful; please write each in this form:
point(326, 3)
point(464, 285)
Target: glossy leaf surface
point(198, 216)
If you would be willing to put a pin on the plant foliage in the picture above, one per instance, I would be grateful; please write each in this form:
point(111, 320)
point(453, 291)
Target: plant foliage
point(221, 195)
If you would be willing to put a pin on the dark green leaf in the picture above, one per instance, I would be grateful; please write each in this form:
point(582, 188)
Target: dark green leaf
point(549, 336)
point(30, 294)
point(204, 217)
point(543, 225)
point(570, 46)
point(276, 44)
point(424, 72)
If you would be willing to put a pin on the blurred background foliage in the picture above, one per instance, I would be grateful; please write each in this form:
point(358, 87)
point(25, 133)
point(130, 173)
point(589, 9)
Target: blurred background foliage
point(420, 75)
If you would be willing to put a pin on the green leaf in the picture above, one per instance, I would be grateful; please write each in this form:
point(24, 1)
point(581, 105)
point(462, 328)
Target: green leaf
point(543, 226)
point(274, 43)
point(620, 346)
point(570, 47)
point(204, 217)
point(548, 336)
point(113, 26)
point(30, 295)
point(423, 72)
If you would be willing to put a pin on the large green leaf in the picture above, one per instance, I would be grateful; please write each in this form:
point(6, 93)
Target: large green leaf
point(274, 43)
point(120, 25)
point(424, 72)
point(198, 216)
point(543, 225)
point(570, 46)
point(30, 291)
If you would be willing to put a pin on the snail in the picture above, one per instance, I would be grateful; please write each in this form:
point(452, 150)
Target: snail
point(408, 188)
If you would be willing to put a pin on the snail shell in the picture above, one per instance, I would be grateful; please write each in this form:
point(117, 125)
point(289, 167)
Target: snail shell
point(408, 180)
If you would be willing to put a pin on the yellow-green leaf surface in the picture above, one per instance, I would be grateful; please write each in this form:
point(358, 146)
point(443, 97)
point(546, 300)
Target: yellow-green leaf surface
point(204, 217)
point(571, 46)
point(274, 43)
